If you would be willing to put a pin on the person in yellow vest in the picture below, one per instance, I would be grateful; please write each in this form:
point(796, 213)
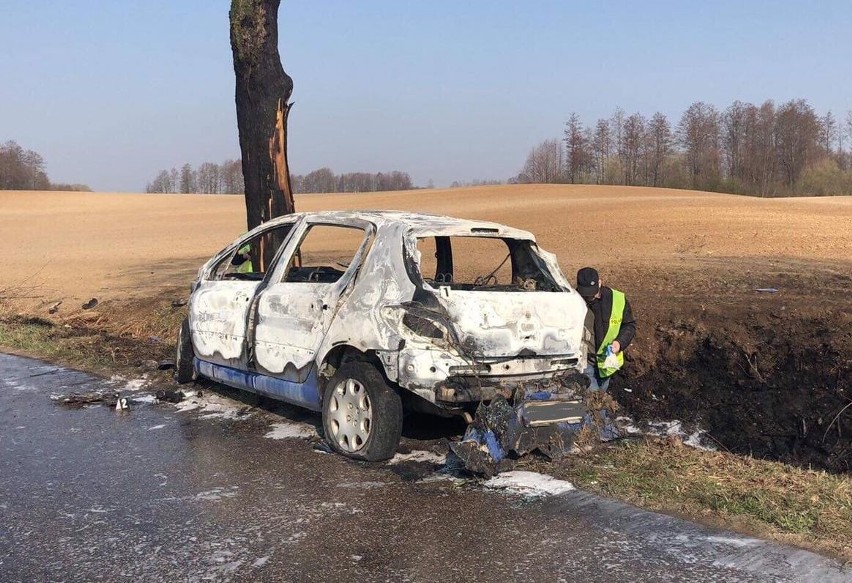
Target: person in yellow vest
point(242, 260)
point(609, 329)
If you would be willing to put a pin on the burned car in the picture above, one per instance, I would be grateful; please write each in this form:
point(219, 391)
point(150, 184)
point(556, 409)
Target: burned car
point(360, 315)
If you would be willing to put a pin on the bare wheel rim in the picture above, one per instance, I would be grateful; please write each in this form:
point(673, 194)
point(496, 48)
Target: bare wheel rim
point(350, 415)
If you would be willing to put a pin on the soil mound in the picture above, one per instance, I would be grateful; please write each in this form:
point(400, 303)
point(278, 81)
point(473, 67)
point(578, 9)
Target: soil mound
point(765, 381)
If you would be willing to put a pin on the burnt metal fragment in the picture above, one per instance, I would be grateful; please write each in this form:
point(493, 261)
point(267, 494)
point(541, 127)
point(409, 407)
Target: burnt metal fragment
point(170, 396)
point(498, 435)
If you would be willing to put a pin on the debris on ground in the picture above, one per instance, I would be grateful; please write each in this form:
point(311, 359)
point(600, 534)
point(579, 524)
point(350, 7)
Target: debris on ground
point(166, 364)
point(179, 302)
point(170, 396)
point(498, 436)
point(322, 447)
point(54, 308)
point(149, 365)
point(115, 398)
point(90, 304)
point(501, 433)
point(108, 398)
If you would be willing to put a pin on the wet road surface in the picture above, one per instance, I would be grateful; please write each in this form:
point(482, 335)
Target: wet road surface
point(155, 494)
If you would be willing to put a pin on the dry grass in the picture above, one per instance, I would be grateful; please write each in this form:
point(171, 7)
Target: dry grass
point(770, 499)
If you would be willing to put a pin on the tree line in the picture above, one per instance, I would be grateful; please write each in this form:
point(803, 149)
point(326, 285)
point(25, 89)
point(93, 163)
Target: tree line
point(22, 169)
point(324, 180)
point(227, 178)
point(208, 178)
point(763, 150)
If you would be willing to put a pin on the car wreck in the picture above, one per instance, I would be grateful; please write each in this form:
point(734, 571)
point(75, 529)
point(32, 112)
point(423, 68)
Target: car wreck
point(360, 315)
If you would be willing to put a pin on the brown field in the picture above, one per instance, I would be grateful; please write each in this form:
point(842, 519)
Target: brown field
point(74, 246)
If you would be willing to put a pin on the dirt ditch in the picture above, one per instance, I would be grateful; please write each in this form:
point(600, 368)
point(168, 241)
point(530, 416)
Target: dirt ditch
point(765, 380)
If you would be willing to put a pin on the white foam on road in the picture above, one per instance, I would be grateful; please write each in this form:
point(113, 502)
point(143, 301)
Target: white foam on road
point(529, 484)
point(211, 406)
point(147, 399)
point(362, 485)
point(291, 431)
point(736, 542)
point(217, 493)
point(130, 385)
point(668, 428)
point(419, 456)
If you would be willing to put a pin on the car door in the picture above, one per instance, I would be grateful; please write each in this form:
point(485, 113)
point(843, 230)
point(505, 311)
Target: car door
point(296, 308)
point(219, 310)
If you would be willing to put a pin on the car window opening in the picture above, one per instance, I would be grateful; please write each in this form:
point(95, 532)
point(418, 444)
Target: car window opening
point(324, 254)
point(252, 259)
point(475, 263)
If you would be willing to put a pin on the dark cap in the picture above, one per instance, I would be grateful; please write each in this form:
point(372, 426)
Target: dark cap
point(588, 282)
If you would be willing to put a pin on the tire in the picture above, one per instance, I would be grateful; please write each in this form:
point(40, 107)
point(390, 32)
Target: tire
point(184, 370)
point(361, 414)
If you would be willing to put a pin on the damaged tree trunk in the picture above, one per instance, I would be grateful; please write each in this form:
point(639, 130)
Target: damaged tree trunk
point(263, 92)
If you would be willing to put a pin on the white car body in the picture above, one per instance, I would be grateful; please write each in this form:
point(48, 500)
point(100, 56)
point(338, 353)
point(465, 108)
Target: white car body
point(284, 333)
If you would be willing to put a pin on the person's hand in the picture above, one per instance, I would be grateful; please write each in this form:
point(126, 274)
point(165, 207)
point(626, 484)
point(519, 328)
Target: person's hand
point(616, 346)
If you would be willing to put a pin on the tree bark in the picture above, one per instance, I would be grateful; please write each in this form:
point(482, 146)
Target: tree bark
point(263, 92)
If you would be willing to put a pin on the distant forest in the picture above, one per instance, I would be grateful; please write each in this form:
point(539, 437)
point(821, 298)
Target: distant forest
point(763, 150)
point(227, 178)
point(25, 170)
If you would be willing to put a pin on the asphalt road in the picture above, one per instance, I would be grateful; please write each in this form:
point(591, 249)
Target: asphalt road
point(157, 494)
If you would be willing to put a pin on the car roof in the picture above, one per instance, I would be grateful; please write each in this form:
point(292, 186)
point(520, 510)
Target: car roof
point(419, 224)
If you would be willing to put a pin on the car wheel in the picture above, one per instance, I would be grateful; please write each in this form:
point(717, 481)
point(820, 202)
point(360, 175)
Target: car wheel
point(361, 414)
point(184, 370)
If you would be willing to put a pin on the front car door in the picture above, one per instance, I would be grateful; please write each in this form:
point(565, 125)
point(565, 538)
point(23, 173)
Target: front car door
point(219, 309)
point(296, 308)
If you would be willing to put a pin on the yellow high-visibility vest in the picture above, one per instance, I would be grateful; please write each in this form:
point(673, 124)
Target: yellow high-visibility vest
point(612, 330)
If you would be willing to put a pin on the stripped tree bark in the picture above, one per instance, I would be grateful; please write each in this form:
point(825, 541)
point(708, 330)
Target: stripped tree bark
point(262, 96)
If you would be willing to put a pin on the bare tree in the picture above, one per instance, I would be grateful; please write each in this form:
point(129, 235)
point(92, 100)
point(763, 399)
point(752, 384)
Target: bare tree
point(827, 132)
point(263, 92)
point(578, 157)
point(209, 179)
point(849, 125)
point(659, 145)
point(232, 177)
point(320, 181)
point(601, 149)
point(173, 180)
point(698, 133)
point(761, 163)
point(160, 184)
point(796, 137)
point(734, 137)
point(21, 169)
point(544, 163)
point(630, 147)
point(188, 182)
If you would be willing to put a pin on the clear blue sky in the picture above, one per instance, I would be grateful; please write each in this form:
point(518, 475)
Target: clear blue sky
point(111, 92)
